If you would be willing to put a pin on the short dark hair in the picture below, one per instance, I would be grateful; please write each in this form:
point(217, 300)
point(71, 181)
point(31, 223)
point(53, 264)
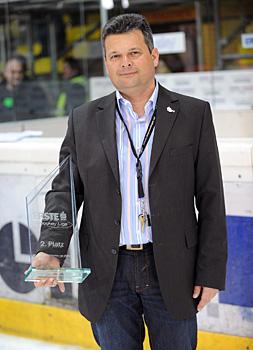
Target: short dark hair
point(73, 63)
point(126, 23)
point(21, 60)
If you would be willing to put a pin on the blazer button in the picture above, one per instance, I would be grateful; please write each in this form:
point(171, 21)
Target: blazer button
point(118, 192)
point(114, 251)
point(117, 222)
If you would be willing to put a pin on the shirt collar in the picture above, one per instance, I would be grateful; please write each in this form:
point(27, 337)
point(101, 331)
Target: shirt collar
point(149, 106)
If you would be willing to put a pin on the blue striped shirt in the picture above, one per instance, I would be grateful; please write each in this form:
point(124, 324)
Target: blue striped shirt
point(131, 232)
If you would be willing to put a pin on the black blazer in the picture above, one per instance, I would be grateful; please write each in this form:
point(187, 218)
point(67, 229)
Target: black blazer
point(184, 170)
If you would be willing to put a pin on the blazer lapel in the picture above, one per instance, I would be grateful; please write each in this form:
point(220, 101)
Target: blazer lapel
point(107, 131)
point(167, 111)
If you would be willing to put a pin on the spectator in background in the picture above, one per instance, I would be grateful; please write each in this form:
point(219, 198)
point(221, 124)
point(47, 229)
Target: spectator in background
point(74, 88)
point(20, 98)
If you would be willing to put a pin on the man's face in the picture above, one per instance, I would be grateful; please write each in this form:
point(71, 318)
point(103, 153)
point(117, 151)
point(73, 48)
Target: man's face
point(128, 61)
point(14, 73)
point(68, 72)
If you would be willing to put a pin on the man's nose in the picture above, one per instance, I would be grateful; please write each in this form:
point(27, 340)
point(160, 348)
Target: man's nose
point(126, 62)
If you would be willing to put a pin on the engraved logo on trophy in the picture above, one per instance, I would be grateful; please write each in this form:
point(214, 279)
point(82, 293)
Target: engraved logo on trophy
point(52, 217)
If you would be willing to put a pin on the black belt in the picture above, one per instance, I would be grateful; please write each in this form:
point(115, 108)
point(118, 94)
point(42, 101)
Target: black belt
point(135, 246)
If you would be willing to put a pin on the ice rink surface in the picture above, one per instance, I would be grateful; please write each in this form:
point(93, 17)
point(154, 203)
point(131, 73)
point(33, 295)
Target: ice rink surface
point(8, 342)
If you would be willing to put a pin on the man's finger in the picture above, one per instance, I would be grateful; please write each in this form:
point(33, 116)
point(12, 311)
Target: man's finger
point(40, 283)
point(45, 282)
point(61, 286)
point(202, 303)
point(51, 282)
point(196, 292)
point(206, 296)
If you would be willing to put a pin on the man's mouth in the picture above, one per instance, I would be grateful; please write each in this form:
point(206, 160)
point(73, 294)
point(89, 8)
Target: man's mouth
point(127, 73)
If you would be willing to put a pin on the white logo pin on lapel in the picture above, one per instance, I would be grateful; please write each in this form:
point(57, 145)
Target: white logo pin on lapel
point(170, 110)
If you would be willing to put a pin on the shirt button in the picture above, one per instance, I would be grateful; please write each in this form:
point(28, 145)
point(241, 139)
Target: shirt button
point(117, 222)
point(114, 251)
point(118, 192)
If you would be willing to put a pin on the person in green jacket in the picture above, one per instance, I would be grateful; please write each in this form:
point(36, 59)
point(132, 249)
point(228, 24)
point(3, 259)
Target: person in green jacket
point(20, 97)
point(73, 88)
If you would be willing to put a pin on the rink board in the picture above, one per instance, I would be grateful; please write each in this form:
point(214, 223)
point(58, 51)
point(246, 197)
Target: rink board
point(226, 321)
point(69, 327)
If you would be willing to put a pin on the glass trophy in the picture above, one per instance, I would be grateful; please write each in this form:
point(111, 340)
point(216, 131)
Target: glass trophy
point(53, 228)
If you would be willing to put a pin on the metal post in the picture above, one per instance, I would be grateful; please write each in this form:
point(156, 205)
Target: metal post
point(103, 21)
point(30, 47)
point(199, 35)
point(7, 30)
point(53, 53)
point(219, 63)
point(82, 24)
point(3, 57)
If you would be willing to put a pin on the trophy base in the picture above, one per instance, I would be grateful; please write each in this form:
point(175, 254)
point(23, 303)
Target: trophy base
point(66, 275)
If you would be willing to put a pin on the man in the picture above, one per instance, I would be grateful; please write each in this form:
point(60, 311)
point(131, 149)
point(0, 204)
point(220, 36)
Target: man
point(141, 157)
point(20, 98)
point(74, 88)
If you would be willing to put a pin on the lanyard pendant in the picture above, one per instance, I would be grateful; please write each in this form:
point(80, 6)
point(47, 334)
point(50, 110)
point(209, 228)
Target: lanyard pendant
point(143, 215)
point(139, 179)
point(142, 219)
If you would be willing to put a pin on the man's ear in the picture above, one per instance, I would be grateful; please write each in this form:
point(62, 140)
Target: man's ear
point(105, 63)
point(155, 56)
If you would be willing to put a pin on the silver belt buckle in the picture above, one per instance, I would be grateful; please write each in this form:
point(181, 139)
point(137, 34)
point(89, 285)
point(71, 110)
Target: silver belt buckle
point(130, 247)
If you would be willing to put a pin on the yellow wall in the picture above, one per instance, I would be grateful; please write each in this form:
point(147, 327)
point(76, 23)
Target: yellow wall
point(64, 326)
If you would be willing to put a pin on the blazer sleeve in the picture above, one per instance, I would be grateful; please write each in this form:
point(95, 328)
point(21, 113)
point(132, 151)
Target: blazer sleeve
point(212, 233)
point(58, 200)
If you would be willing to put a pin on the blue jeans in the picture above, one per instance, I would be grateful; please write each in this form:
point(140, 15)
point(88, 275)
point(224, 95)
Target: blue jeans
point(136, 298)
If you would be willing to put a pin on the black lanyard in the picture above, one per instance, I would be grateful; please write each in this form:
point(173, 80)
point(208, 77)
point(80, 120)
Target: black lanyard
point(143, 146)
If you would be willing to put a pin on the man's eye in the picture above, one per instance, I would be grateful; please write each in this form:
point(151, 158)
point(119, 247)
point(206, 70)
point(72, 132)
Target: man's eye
point(135, 53)
point(114, 57)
